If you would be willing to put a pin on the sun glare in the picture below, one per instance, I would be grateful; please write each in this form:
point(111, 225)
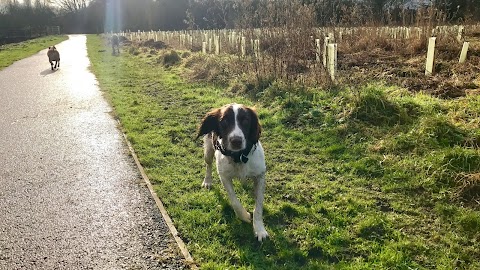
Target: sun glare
point(113, 18)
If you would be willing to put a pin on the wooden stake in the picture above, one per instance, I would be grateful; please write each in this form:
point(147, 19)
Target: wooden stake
point(430, 56)
point(463, 54)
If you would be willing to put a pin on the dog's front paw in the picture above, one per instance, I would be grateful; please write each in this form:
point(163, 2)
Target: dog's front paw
point(259, 230)
point(261, 235)
point(207, 183)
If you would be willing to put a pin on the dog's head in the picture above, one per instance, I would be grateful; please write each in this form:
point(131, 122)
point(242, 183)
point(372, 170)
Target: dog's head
point(235, 124)
point(52, 48)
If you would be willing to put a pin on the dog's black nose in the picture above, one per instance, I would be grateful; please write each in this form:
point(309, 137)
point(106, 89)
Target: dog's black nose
point(236, 142)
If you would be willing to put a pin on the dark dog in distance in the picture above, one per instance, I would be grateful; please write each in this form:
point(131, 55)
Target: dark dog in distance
point(53, 56)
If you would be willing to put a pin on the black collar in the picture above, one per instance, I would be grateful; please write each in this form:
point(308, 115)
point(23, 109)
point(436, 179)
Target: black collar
point(240, 156)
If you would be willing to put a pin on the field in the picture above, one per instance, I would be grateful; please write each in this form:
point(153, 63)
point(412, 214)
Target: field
point(403, 64)
point(10, 53)
point(366, 175)
point(394, 55)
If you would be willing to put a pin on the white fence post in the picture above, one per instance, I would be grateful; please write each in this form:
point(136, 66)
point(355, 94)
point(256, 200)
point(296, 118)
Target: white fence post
point(463, 54)
point(326, 40)
point(318, 49)
point(217, 44)
point(243, 44)
point(461, 30)
point(332, 60)
point(256, 46)
point(430, 56)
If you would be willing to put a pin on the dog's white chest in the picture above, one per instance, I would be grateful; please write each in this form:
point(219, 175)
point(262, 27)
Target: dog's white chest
point(227, 167)
point(254, 167)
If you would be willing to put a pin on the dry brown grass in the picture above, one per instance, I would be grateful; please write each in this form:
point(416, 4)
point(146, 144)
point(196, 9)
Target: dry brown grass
point(468, 187)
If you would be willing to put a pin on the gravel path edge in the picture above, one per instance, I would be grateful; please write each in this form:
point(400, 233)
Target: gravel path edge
point(181, 245)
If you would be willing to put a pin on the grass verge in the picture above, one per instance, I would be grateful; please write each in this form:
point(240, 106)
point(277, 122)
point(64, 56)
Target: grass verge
point(10, 53)
point(368, 177)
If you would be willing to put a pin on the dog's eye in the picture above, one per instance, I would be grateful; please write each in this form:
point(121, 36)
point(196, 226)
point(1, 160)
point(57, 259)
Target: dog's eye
point(244, 120)
point(223, 124)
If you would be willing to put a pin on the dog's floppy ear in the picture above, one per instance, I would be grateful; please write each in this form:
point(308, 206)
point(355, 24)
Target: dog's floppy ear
point(255, 128)
point(209, 123)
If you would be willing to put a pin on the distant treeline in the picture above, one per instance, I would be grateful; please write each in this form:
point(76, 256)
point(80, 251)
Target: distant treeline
point(96, 16)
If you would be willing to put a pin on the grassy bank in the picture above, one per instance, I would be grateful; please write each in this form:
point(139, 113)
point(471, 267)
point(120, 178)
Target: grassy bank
point(372, 177)
point(10, 53)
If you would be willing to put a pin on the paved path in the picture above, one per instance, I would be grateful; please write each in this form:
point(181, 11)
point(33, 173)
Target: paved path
point(71, 196)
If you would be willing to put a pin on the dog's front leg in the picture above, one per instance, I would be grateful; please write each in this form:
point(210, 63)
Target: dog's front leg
point(258, 226)
point(208, 152)
point(236, 205)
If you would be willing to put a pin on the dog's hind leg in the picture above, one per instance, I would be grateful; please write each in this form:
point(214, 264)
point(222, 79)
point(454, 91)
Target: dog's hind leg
point(236, 205)
point(258, 226)
point(208, 152)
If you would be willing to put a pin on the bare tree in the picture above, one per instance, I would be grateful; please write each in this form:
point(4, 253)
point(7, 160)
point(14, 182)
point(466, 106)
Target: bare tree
point(71, 6)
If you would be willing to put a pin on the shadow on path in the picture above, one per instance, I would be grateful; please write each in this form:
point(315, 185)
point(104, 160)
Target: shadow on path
point(47, 71)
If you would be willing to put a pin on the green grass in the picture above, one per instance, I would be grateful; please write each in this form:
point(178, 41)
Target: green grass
point(371, 177)
point(10, 53)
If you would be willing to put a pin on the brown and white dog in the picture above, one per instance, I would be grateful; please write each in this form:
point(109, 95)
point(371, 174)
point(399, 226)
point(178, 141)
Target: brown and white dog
point(231, 133)
point(53, 56)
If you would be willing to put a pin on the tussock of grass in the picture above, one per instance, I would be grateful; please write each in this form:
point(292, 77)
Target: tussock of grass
point(468, 186)
point(374, 228)
point(170, 59)
point(364, 178)
point(207, 68)
point(373, 107)
point(133, 50)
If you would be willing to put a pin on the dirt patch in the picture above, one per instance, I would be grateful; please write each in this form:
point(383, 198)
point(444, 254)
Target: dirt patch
point(450, 79)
